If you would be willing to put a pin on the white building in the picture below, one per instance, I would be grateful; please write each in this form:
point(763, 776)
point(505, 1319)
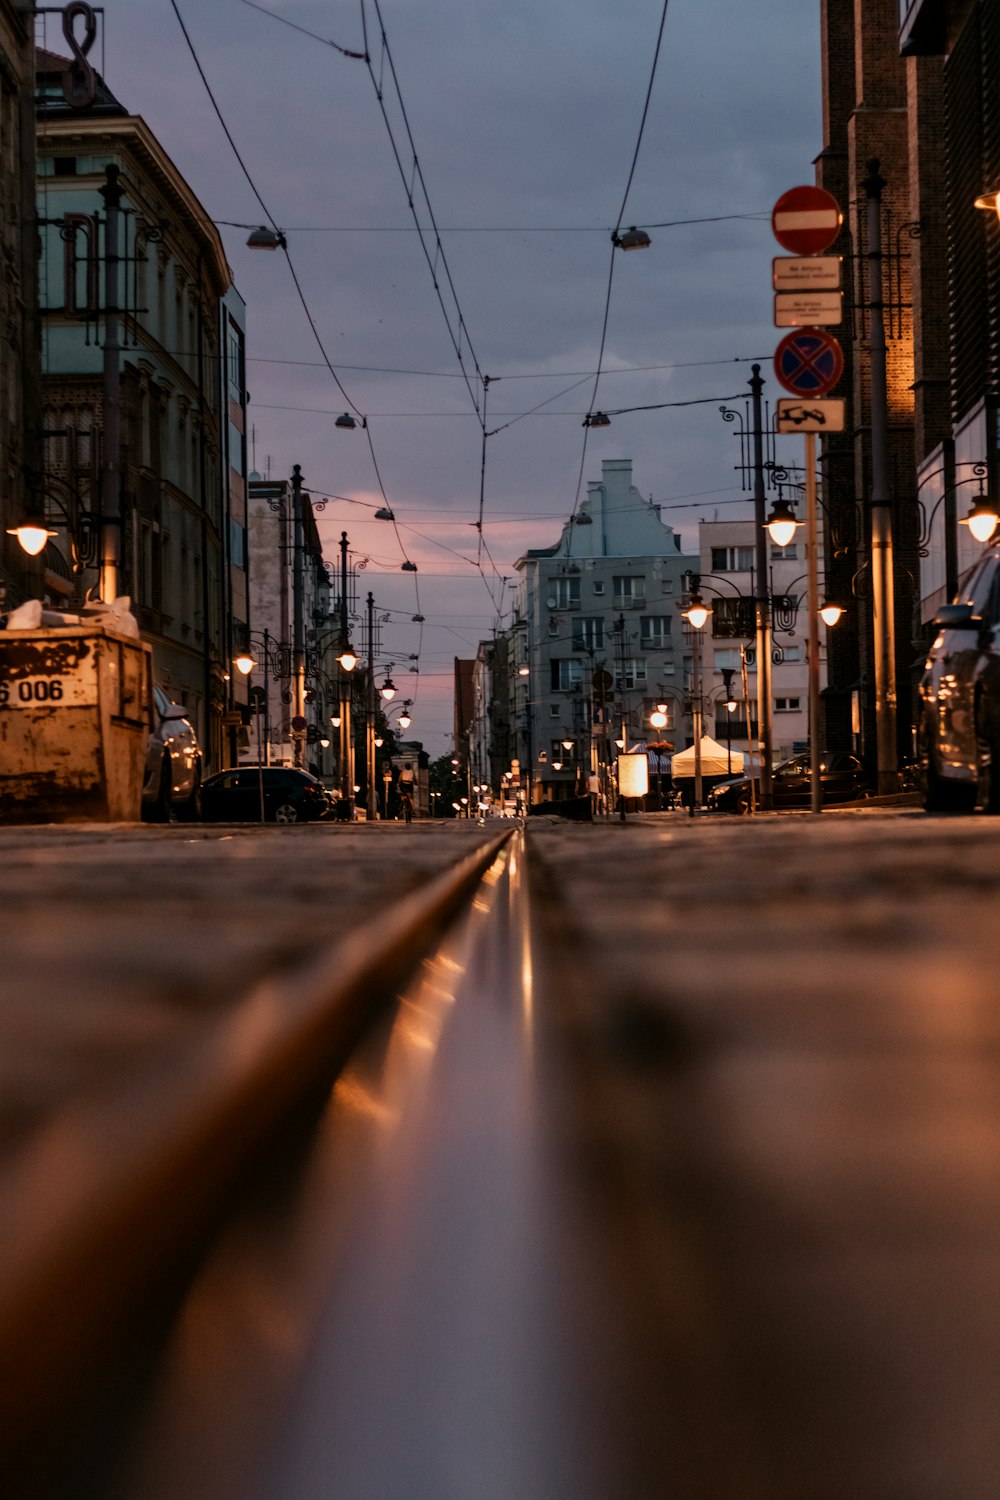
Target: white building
point(596, 639)
point(726, 559)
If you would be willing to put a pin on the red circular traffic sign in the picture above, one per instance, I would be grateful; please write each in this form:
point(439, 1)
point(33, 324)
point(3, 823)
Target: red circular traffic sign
point(806, 220)
point(809, 362)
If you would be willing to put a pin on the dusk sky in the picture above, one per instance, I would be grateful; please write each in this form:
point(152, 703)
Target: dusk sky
point(525, 120)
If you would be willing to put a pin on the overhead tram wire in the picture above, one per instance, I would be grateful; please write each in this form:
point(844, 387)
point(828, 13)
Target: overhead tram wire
point(417, 176)
point(407, 561)
point(760, 217)
point(440, 257)
point(614, 246)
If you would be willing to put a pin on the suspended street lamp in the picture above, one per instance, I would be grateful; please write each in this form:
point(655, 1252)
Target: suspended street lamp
point(781, 523)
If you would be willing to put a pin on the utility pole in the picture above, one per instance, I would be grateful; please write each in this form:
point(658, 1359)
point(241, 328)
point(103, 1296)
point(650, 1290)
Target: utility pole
point(762, 601)
point(883, 595)
point(370, 715)
point(111, 511)
point(298, 617)
point(346, 737)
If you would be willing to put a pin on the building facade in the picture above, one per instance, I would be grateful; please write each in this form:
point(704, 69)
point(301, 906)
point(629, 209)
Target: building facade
point(911, 84)
point(285, 557)
point(595, 641)
point(174, 486)
point(727, 553)
point(20, 365)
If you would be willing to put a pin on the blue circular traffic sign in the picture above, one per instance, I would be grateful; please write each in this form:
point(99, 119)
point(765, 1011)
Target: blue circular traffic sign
point(809, 362)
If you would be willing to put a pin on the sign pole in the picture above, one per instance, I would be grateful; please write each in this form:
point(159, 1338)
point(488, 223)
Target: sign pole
point(812, 599)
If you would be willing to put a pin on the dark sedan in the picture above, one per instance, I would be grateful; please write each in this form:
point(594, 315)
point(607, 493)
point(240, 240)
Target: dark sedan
point(842, 776)
point(287, 795)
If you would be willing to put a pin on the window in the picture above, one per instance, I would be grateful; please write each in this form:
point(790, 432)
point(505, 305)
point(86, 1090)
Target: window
point(563, 593)
point(237, 544)
point(668, 585)
point(791, 653)
point(598, 586)
point(789, 553)
point(732, 559)
point(786, 705)
point(726, 660)
point(567, 673)
point(632, 673)
point(630, 592)
point(588, 635)
point(554, 710)
point(654, 631)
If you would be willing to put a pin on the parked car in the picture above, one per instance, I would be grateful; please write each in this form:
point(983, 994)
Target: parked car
point(842, 777)
point(290, 796)
point(958, 729)
point(172, 782)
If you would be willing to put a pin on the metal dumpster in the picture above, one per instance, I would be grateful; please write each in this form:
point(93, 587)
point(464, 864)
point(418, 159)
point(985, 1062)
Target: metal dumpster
point(74, 723)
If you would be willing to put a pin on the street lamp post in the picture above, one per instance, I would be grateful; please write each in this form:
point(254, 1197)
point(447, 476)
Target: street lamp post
point(765, 723)
point(883, 594)
point(697, 613)
point(111, 511)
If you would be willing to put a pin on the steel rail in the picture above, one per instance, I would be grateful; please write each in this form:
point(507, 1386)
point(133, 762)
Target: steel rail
point(440, 1334)
point(111, 1197)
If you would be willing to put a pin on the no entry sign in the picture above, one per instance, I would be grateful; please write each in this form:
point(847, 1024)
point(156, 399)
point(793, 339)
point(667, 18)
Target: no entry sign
point(806, 220)
point(809, 362)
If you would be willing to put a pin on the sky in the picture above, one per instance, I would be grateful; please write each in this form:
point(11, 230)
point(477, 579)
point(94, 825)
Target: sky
point(524, 119)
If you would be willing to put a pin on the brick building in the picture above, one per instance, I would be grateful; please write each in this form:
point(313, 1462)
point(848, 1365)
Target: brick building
point(911, 84)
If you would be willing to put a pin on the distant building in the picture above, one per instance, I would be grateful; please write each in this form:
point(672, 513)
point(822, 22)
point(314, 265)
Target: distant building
point(727, 551)
point(596, 640)
point(273, 563)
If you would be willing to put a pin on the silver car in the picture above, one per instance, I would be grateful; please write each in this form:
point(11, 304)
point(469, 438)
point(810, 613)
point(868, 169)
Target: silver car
point(172, 783)
point(959, 725)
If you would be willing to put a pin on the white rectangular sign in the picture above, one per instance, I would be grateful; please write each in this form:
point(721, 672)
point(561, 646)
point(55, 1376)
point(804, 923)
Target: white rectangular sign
point(808, 415)
point(807, 309)
point(806, 273)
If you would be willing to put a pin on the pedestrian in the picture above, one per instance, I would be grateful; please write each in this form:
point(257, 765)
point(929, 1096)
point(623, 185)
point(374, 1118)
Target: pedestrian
point(405, 787)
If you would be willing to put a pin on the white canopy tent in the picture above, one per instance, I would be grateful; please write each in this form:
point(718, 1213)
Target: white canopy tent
point(715, 760)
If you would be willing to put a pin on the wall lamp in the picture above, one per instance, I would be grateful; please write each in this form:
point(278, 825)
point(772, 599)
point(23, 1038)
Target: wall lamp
point(982, 519)
point(991, 203)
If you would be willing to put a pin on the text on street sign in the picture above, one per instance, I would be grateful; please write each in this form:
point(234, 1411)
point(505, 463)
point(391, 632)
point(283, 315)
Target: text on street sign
point(800, 309)
point(807, 273)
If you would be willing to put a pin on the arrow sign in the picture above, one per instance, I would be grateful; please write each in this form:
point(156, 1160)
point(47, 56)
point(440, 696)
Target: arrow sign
point(806, 220)
point(809, 362)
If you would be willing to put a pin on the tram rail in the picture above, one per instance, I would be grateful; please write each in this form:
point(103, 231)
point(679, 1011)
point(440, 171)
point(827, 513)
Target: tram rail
point(113, 1197)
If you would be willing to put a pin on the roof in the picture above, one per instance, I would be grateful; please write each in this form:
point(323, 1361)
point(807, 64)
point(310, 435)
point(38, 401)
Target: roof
point(50, 70)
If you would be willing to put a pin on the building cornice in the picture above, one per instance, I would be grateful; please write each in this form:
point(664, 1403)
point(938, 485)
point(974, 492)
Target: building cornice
point(129, 134)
